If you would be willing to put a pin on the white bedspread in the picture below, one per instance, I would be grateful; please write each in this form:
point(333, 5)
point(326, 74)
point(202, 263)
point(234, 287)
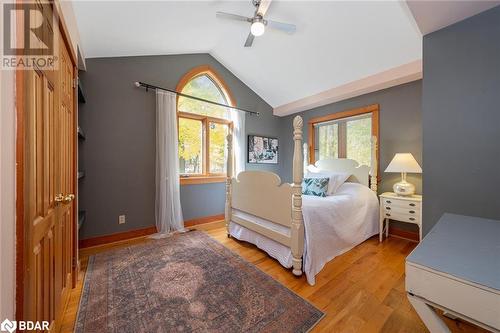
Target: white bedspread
point(333, 225)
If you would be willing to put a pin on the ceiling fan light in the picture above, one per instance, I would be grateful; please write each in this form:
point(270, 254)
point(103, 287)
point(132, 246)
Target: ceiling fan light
point(257, 28)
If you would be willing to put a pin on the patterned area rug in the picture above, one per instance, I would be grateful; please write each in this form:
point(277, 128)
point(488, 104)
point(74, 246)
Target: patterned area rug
point(186, 283)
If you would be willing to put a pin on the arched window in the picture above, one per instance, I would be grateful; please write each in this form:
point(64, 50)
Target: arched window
point(203, 127)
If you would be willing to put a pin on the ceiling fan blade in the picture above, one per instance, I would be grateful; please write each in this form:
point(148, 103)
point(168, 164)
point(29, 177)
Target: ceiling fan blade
point(249, 40)
point(232, 16)
point(286, 27)
point(263, 7)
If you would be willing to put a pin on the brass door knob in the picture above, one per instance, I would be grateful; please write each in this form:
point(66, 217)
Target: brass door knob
point(59, 198)
point(68, 198)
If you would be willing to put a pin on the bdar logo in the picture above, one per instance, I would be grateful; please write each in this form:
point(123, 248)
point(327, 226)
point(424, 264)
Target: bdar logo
point(8, 326)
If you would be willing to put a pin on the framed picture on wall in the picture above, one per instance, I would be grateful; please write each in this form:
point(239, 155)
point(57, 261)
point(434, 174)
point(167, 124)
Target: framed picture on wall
point(262, 150)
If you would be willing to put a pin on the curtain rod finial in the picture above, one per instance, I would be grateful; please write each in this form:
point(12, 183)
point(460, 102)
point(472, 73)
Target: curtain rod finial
point(137, 84)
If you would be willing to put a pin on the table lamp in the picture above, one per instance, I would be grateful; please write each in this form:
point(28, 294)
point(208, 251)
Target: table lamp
point(404, 163)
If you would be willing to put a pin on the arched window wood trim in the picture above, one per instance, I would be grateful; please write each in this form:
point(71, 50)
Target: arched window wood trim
point(221, 84)
point(210, 72)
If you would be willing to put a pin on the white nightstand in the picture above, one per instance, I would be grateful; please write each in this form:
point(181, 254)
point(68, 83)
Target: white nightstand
point(398, 208)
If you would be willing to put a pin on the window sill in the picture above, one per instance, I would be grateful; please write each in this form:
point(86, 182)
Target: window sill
point(202, 180)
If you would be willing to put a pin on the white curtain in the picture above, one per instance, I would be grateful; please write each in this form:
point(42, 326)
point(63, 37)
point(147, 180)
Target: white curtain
point(239, 149)
point(168, 202)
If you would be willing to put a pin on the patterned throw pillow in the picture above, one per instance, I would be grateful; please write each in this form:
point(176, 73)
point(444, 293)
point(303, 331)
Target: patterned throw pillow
point(315, 186)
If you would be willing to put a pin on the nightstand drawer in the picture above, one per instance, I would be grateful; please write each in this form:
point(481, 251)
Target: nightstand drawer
point(400, 203)
point(401, 210)
point(402, 217)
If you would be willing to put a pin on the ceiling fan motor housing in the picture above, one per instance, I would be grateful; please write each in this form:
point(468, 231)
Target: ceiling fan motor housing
point(258, 18)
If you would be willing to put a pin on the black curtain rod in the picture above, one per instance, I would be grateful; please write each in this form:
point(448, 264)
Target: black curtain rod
point(148, 86)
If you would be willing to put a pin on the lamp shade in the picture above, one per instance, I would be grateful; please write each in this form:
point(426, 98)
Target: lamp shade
point(404, 162)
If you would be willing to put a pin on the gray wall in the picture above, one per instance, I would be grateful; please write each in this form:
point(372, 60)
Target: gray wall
point(118, 155)
point(400, 128)
point(461, 119)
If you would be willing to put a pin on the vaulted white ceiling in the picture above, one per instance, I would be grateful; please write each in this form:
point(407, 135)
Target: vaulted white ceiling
point(434, 15)
point(336, 43)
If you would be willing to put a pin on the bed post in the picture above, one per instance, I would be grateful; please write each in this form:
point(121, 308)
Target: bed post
point(305, 157)
point(229, 168)
point(374, 168)
point(297, 230)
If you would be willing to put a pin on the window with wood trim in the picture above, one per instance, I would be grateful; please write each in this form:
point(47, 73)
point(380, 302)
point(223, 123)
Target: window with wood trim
point(344, 134)
point(203, 127)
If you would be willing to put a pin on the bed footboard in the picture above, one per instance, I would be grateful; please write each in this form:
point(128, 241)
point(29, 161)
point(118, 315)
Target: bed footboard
point(261, 193)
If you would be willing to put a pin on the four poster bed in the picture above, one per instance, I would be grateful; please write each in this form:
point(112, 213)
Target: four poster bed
point(303, 232)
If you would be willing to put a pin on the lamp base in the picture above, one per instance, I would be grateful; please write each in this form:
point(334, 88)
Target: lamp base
point(403, 188)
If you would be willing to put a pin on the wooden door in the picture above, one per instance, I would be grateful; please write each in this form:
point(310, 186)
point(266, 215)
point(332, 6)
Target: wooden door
point(40, 205)
point(49, 187)
point(65, 184)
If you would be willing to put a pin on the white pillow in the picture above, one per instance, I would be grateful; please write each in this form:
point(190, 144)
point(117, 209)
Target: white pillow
point(335, 179)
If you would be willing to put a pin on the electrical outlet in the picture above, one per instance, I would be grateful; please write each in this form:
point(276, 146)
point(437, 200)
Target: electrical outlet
point(121, 219)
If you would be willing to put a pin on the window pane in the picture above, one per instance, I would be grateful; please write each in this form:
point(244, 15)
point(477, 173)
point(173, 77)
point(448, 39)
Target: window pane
point(328, 141)
point(190, 146)
point(203, 87)
point(359, 132)
point(218, 147)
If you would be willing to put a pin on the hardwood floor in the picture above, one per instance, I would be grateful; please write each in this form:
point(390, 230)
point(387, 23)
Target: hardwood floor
point(360, 291)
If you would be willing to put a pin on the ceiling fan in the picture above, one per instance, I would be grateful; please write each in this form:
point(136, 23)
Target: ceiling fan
point(258, 23)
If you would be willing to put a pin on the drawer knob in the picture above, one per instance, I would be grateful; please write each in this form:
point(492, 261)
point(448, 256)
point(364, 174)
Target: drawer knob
point(387, 214)
point(412, 212)
point(412, 204)
point(412, 219)
point(388, 208)
point(388, 201)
